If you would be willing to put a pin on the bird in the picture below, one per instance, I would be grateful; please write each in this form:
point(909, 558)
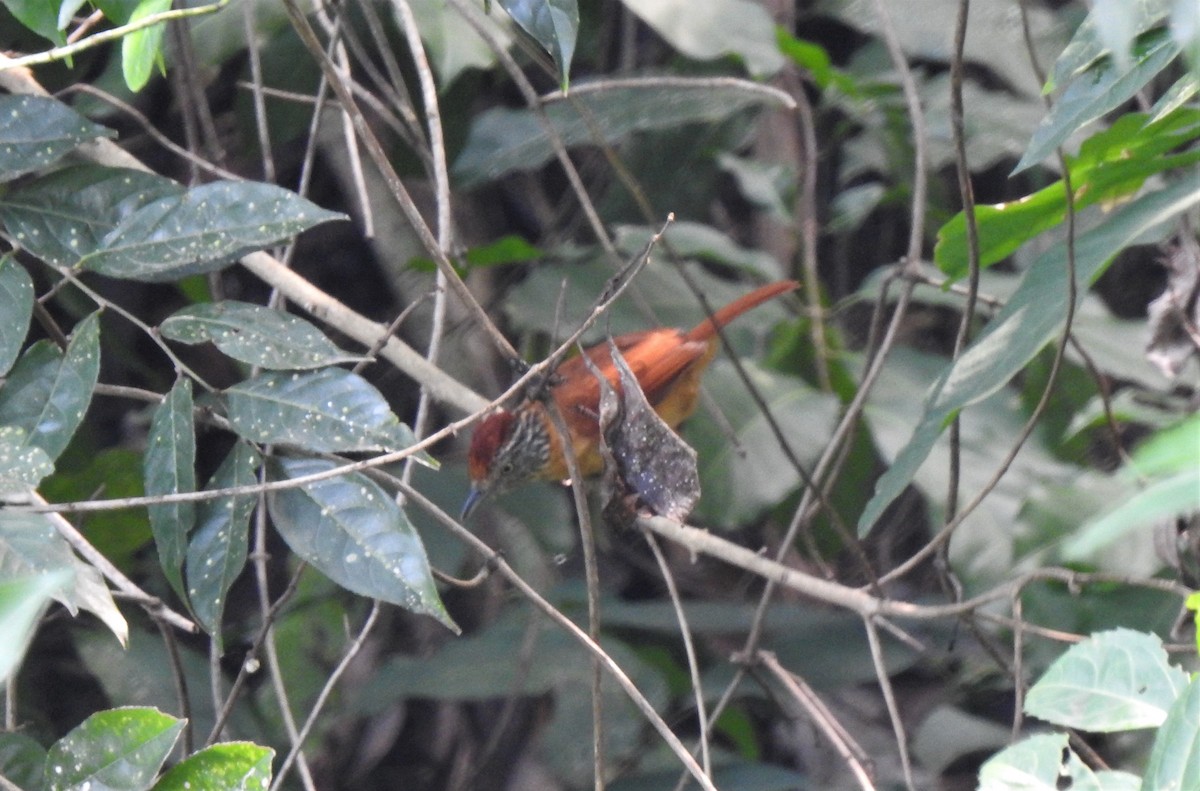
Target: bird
point(511, 447)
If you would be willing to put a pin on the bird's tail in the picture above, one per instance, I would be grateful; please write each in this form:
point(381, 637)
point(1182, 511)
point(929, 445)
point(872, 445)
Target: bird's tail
point(708, 328)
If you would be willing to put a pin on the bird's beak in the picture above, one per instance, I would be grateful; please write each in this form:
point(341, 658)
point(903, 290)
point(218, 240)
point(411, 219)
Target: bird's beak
point(473, 499)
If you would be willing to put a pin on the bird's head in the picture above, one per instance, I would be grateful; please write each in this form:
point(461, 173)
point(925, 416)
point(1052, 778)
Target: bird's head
point(508, 448)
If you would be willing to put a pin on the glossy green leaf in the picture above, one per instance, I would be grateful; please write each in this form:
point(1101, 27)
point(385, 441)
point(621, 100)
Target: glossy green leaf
point(1026, 323)
point(39, 16)
point(65, 215)
point(36, 131)
point(204, 229)
point(217, 551)
point(255, 334)
point(353, 532)
point(48, 392)
point(141, 50)
point(1087, 45)
point(502, 141)
point(229, 766)
point(1111, 164)
point(117, 750)
point(1114, 681)
point(1175, 757)
point(169, 468)
point(16, 306)
point(328, 410)
point(22, 466)
point(22, 600)
point(554, 24)
point(1096, 92)
point(714, 29)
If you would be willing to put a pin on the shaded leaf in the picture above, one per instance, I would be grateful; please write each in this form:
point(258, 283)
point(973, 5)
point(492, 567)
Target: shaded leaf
point(1020, 329)
point(702, 242)
point(354, 533)
point(1114, 681)
point(65, 215)
point(16, 306)
point(255, 334)
point(229, 766)
point(329, 410)
point(22, 600)
point(48, 392)
point(502, 140)
point(1094, 93)
point(1087, 45)
point(36, 131)
point(170, 468)
point(554, 24)
point(118, 750)
point(217, 551)
point(204, 229)
point(141, 50)
point(715, 28)
point(22, 759)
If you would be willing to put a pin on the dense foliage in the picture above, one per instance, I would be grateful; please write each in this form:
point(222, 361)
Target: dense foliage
point(258, 261)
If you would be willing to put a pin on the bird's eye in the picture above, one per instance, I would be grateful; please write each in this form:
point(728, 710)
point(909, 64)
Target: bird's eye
point(506, 468)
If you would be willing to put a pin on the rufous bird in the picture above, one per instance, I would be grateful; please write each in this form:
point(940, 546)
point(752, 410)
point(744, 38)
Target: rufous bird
point(512, 447)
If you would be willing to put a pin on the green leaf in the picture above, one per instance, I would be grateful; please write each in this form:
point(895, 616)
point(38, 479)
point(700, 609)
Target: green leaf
point(255, 334)
point(329, 411)
point(22, 600)
point(22, 466)
point(65, 215)
point(502, 141)
point(1175, 757)
point(1087, 45)
point(1026, 323)
point(204, 229)
point(554, 24)
point(1111, 164)
point(117, 750)
point(22, 759)
point(715, 28)
point(229, 766)
point(1114, 681)
point(40, 16)
point(1035, 764)
point(141, 50)
point(169, 468)
point(16, 306)
point(48, 392)
point(353, 532)
point(36, 131)
point(217, 551)
point(1096, 92)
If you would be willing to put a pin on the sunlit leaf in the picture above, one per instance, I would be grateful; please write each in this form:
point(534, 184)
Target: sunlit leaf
point(255, 334)
point(141, 50)
point(48, 392)
point(229, 766)
point(22, 600)
point(170, 468)
point(36, 131)
point(1175, 757)
point(22, 466)
point(118, 750)
point(328, 410)
point(355, 533)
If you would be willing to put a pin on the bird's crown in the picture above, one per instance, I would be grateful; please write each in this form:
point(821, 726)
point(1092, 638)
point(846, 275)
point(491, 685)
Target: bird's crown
point(489, 437)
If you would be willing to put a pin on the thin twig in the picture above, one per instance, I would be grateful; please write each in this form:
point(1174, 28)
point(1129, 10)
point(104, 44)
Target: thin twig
point(889, 697)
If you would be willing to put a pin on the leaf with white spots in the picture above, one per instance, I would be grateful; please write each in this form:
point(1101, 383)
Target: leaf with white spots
point(329, 411)
point(229, 766)
point(116, 750)
point(169, 468)
point(217, 551)
point(203, 230)
point(353, 532)
point(48, 392)
point(255, 334)
point(36, 131)
point(16, 306)
point(65, 215)
point(22, 466)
